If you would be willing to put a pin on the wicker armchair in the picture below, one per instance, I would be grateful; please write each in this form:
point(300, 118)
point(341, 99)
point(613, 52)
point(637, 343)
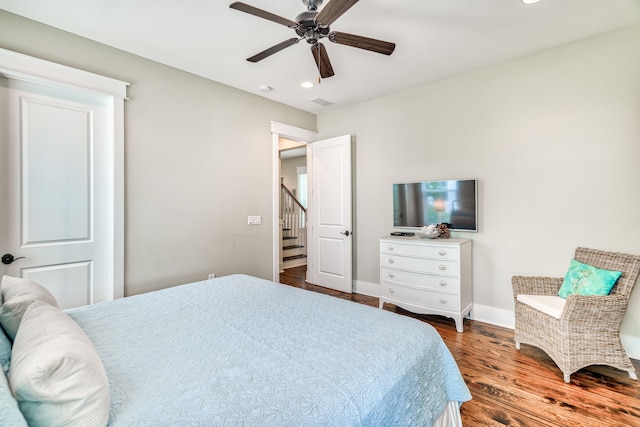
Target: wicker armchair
point(588, 331)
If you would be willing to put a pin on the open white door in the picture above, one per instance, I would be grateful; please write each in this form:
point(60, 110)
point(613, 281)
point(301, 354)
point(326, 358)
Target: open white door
point(60, 188)
point(330, 214)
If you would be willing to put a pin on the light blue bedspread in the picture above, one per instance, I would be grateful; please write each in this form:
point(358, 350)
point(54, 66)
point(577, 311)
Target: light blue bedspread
point(242, 351)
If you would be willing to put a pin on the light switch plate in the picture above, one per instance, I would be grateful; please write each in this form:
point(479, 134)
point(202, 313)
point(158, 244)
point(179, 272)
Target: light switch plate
point(254, 219)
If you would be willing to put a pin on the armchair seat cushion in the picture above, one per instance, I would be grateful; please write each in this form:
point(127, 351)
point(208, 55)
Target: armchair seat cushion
point(548, 304)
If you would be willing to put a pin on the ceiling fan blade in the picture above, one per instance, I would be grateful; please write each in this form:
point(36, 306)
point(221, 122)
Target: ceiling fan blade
point(243, 7)
point(273, 49)
point(321, 57)
point(334, 10)
point(361, 42)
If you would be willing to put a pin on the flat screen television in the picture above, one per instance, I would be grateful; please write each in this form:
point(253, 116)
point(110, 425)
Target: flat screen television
point(454, 202)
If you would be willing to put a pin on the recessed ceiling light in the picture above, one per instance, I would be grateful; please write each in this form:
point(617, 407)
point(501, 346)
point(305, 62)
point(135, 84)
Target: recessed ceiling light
point(265, 88)
point(530, 1)
point(306, 85)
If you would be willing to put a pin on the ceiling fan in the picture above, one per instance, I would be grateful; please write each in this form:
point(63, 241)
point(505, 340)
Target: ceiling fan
point(313, 26)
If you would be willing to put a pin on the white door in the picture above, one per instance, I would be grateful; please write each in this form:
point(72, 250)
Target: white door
point(330, 210)
point(56, 200)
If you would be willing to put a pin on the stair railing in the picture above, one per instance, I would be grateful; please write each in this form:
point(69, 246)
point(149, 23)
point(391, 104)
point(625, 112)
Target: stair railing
point(294, 219)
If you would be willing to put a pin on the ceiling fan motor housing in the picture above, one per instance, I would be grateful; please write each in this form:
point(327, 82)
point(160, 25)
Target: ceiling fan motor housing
point(306, 19)
point(309, 28)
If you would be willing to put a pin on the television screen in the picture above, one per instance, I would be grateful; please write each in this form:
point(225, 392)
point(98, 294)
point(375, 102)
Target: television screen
point(453, 202)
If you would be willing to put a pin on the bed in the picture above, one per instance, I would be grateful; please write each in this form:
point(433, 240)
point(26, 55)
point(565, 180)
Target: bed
point(243, 351)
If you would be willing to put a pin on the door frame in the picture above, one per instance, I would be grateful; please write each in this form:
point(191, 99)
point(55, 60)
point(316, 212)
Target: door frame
point(281, 130)
point(14, 65)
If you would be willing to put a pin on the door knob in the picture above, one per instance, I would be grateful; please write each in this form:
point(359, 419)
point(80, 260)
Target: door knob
point(346, 233)
point(8, 259)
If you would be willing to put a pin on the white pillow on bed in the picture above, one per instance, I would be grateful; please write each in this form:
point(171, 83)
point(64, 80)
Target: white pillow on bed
point(56, 374)
point(17, 295)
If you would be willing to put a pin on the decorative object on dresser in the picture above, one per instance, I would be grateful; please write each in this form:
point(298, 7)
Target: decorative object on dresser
point(427, 276)
point(429, 232)
point(576, 319)
point(443, 229)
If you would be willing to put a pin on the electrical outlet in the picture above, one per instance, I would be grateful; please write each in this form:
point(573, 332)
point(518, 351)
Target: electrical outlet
point(212, 276)
point(254, 220)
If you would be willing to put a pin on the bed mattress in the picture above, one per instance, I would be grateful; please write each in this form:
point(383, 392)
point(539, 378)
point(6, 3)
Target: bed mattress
point(240, 350)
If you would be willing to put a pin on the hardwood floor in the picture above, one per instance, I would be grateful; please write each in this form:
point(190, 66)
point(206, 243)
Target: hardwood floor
point(518, 388)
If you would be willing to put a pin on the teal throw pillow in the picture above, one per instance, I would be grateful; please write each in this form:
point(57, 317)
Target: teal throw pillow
point(584, 279)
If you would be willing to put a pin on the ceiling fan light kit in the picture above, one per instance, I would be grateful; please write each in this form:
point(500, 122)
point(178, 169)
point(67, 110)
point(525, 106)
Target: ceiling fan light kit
point(313, 26)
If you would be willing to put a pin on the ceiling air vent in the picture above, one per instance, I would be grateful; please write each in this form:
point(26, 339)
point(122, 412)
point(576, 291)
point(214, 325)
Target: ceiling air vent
point(322, 102)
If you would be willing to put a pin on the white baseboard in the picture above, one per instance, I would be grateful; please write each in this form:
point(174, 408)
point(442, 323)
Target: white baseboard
point(493, 316)
point(498, 317)
point(632, 345)
point(366, 288)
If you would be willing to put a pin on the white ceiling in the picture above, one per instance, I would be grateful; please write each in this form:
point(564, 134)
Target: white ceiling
point(434, 39)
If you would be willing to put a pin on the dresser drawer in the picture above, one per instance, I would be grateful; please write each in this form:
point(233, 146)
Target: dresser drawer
point(439, 300)
point(422, 250)
point(444, 267)
point(420, 280)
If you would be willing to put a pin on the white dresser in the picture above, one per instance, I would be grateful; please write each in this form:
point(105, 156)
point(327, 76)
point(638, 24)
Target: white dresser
point(427, 276)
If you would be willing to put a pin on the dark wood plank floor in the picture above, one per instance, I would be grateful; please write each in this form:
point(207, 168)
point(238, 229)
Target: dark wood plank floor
point(518, 388)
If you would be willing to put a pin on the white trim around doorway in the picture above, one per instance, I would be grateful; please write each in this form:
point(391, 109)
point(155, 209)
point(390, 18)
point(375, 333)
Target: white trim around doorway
point(281, 130)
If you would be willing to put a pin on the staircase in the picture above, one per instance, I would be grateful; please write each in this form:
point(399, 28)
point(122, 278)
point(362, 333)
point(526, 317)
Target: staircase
point(293, 217)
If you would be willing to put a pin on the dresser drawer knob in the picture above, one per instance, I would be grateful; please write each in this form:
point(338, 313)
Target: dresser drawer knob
point(391, 290)
point(392, 275)
point(442, 301)
point(442, 267)
point(442, 252)
point(391, 261)
point(391, 248)
point(443, 283)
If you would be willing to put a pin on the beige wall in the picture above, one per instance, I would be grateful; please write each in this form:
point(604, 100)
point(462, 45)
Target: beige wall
point(289, 171)
point(554, 140)
point(198, 161)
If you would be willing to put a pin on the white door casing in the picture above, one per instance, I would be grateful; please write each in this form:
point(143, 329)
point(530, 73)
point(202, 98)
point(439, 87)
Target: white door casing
point(330, 262)
point(61, 178)
point(281, 130)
